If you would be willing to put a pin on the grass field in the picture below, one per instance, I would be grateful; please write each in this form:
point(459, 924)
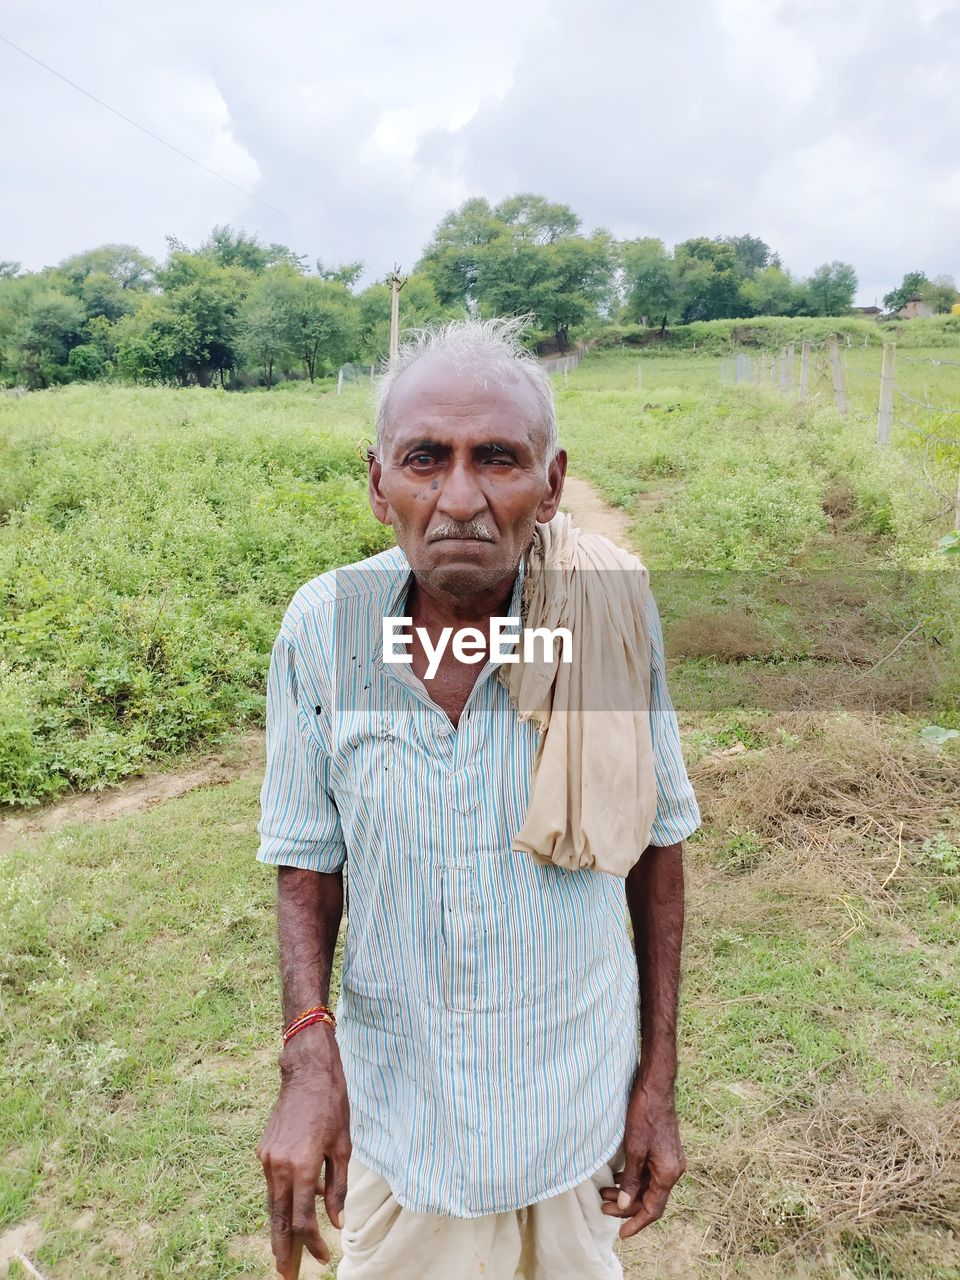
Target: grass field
point(149, 542)
point(812, 629)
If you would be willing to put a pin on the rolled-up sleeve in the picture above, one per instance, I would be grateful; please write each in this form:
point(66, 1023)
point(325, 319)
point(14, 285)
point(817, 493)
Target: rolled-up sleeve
point(678, 814)
point(299, 825)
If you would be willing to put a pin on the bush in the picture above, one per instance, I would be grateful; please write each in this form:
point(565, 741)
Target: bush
point(151, 542)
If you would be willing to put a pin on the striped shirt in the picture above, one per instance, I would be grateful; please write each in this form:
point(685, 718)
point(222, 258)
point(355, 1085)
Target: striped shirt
point(488, 1003)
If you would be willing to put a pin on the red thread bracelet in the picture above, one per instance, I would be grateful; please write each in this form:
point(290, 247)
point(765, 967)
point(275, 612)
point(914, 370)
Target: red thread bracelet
point(319, 1013)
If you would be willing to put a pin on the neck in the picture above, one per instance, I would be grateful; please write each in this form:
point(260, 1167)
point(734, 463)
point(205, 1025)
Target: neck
point(439, 608)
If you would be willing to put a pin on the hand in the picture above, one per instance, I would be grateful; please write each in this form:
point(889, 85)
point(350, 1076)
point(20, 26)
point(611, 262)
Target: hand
point(308, 1127)
point(654, 1161)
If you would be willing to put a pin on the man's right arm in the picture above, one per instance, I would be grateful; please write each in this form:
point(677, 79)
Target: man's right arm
point(308, 1134)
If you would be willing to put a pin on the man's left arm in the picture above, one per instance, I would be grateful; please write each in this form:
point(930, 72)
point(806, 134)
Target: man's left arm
point(654, 1157)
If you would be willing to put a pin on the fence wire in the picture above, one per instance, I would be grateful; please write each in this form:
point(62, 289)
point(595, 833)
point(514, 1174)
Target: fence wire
point(825, 367)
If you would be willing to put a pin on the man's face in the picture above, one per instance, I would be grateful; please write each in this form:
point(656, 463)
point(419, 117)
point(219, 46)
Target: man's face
point(463, 477)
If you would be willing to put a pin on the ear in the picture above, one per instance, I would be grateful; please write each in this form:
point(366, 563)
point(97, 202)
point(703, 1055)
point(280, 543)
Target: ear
point(378, 503)
point(550, 502)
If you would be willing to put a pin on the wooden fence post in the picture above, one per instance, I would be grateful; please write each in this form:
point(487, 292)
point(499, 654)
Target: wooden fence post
point(885, 412)
point(786, 382)
point(839, 390)
point(804, 370)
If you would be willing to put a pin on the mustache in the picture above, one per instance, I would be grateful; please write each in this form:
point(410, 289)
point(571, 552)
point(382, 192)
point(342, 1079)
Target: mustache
point(474, 530)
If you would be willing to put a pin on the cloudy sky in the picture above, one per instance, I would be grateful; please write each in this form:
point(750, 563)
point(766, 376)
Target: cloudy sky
point(831, 130)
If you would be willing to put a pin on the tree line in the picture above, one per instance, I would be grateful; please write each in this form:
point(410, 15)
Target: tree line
point(238, 312)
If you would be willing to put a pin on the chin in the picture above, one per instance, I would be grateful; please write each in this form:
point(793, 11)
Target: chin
point(462, 579)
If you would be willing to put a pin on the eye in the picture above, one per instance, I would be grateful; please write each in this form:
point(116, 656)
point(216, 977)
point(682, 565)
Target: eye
point(421, 460)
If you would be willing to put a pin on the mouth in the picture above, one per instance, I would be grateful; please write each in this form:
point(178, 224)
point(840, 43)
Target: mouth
point(456, 538)
point(469, 538)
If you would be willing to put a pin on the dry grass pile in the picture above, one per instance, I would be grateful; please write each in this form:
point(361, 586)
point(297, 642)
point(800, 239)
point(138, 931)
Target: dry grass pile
point(821, 640)
point(728, 635)
point(911, 684)
point(849, 792)
point(842, 1169)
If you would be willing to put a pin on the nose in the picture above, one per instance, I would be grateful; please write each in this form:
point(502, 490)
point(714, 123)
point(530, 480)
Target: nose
point(461, 497)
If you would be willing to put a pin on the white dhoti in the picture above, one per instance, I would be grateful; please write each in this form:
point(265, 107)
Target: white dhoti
point(563, 1238)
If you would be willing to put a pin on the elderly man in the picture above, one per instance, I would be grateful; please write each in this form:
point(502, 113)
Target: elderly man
point(475, 1106)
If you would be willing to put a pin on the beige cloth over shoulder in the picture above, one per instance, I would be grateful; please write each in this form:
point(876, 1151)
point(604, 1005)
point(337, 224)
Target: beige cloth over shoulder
point(594, 793)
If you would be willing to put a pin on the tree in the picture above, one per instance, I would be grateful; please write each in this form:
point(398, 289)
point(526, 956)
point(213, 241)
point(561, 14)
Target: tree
point(124, 264)
point(229, 248)
point(267, 335)
point(561, 283)
point(909, 287)
point(831, 288)
point(523, 256)
point(535, 219)
point(939, 293)
point(8, 268)
point(649, 281)
point(85, 363)
point(194, 333)
point(155, 344)
point(773, 292)
point(102, 296)
point(707, 281)
point(451, 259)
point(347, 273)
point(751, 254)
point(324, 323)
point(38, 327)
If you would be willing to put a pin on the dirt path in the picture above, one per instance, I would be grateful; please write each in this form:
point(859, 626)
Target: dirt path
point(591, 513)
point(579, 498)
point(140, 793)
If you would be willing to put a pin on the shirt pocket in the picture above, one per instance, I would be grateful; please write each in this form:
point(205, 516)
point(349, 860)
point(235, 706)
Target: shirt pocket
point(541, 938)
point(494, 960)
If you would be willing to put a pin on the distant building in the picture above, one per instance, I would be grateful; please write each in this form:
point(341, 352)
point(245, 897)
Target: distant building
point(914, 308)
point(868, 313)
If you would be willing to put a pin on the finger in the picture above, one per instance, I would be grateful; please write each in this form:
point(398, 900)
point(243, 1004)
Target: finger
point(304, 1223)
point(611, 1200)
point(652, 1207)
point(279, 1206)
point(630, 1179)
point(335, 1186)
point(611, 1193)
point(291, 1271)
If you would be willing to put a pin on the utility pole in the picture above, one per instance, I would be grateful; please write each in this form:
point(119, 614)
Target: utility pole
point(396, 284)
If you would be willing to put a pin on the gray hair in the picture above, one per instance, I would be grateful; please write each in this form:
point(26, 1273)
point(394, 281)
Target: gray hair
point(482, 346)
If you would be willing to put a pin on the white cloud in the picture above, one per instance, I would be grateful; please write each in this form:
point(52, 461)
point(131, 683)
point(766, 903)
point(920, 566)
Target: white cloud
point(829, 130)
